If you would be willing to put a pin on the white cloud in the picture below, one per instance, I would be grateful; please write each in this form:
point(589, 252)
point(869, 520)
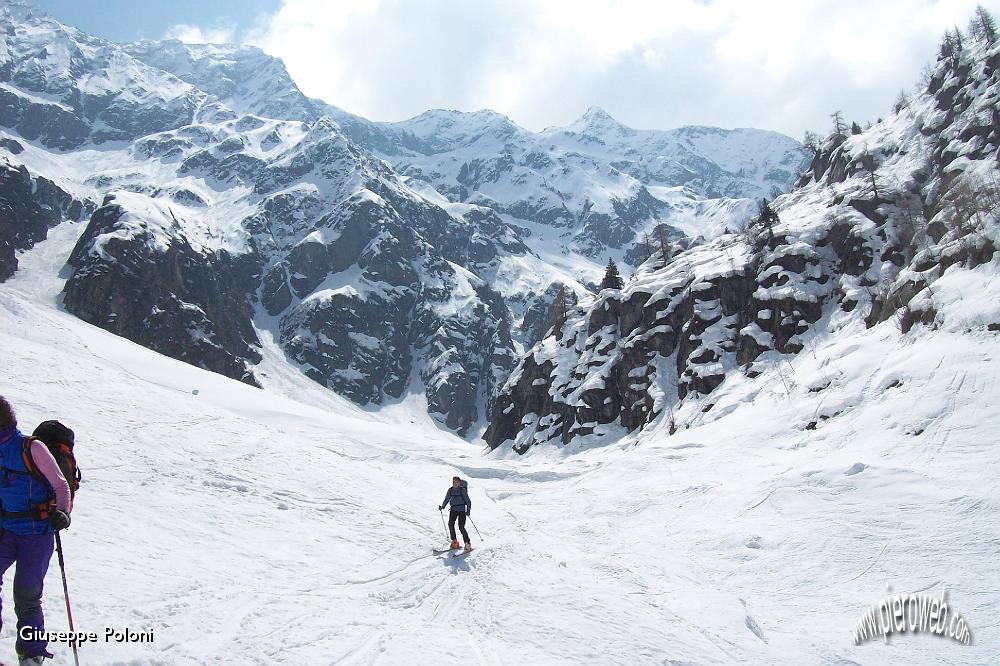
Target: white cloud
point(192, 34)
point(650, 63)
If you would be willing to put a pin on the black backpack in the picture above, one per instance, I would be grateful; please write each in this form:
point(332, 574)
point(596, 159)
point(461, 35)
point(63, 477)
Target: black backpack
point(59, 440)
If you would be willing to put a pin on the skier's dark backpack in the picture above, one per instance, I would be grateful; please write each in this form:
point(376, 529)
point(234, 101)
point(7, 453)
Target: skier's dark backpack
point(59, 440)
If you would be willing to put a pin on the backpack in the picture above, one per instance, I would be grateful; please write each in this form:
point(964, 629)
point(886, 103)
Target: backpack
point(59, 440)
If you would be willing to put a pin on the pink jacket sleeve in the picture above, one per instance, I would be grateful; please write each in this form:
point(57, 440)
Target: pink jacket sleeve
point(49, 468)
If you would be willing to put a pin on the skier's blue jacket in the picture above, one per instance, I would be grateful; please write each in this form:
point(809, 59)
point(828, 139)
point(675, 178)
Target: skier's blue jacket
point(19, 491)
point(458, 498)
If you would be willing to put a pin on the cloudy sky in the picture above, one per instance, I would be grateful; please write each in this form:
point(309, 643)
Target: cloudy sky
point(776, 64)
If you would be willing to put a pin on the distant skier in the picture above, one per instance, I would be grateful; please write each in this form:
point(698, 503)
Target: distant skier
point(30, 513)
point(461, 508)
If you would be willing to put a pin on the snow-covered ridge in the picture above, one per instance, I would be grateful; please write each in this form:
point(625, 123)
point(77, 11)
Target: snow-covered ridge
point(584, 179)
point(596, 180)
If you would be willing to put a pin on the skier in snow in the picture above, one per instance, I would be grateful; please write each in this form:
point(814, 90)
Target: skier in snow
point(28, 522)
point(461, 508)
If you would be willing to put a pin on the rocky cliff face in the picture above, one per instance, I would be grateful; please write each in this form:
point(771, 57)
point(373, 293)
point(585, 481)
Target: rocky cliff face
point(369, 286)
point(139, 277)
point(875, 222)
point(29, 207)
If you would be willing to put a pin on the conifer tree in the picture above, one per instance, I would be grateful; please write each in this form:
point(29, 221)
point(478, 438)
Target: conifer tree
point(839, 128)
point(612, 280)
point(559, 312)
point(811, 141)
point(766, 219)
point(665, 250)
point(902, 101)
point(869, 164)
point(983, 27)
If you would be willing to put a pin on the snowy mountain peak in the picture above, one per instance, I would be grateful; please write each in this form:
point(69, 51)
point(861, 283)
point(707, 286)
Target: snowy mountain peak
point(242, 77)
point(596, 118)
point(447, 128)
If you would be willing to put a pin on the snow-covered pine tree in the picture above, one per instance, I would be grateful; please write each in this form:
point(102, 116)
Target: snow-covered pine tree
point(839, 127)
point(559, 312)
point(766, 219)
point(902, 101)
point(983, 27)
point(665, 250)
point(612, 279)
point(811, 141)
point(870, 166)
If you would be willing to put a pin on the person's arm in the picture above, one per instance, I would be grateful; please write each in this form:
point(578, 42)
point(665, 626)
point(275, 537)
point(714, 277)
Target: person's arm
point(468, 501)
point(49, 468)
point(447, 499)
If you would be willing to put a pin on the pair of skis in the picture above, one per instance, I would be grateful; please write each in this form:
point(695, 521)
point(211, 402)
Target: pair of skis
point(455, 552)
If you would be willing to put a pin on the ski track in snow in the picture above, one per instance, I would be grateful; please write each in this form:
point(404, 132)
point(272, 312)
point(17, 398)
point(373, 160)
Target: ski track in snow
point(246, 527)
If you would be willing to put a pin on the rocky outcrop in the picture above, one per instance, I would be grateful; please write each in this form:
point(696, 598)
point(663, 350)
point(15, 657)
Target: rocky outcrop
point(377, 304)
point(29, 207)
point(163, 292)
point(673, 333)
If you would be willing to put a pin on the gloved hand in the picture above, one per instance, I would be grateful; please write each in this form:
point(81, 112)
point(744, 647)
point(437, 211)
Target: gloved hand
point(441, 508)
point(468, 512)
point(59, 520)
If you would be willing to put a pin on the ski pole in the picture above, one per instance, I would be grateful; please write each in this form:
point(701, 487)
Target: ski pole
point(477, 529)
point(69, 610)
point(444, 525)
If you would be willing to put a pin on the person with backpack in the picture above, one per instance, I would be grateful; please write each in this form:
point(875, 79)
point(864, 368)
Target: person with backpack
point(35, 502)
point(461, 508)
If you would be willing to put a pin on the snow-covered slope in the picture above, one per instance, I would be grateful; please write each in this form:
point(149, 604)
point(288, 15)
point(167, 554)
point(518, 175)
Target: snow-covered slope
point(287, 526)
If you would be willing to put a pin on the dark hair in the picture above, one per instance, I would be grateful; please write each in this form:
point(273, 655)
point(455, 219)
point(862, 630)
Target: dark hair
point(456, 478)
point(8, 419)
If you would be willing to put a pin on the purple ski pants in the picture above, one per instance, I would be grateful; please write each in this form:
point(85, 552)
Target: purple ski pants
point(30, 555)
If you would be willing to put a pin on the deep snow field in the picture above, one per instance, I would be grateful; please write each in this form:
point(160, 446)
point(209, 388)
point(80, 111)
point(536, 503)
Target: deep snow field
point(288, 526)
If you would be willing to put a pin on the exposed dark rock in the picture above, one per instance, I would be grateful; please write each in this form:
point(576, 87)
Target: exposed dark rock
point(29, 207)
point(175, 300)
